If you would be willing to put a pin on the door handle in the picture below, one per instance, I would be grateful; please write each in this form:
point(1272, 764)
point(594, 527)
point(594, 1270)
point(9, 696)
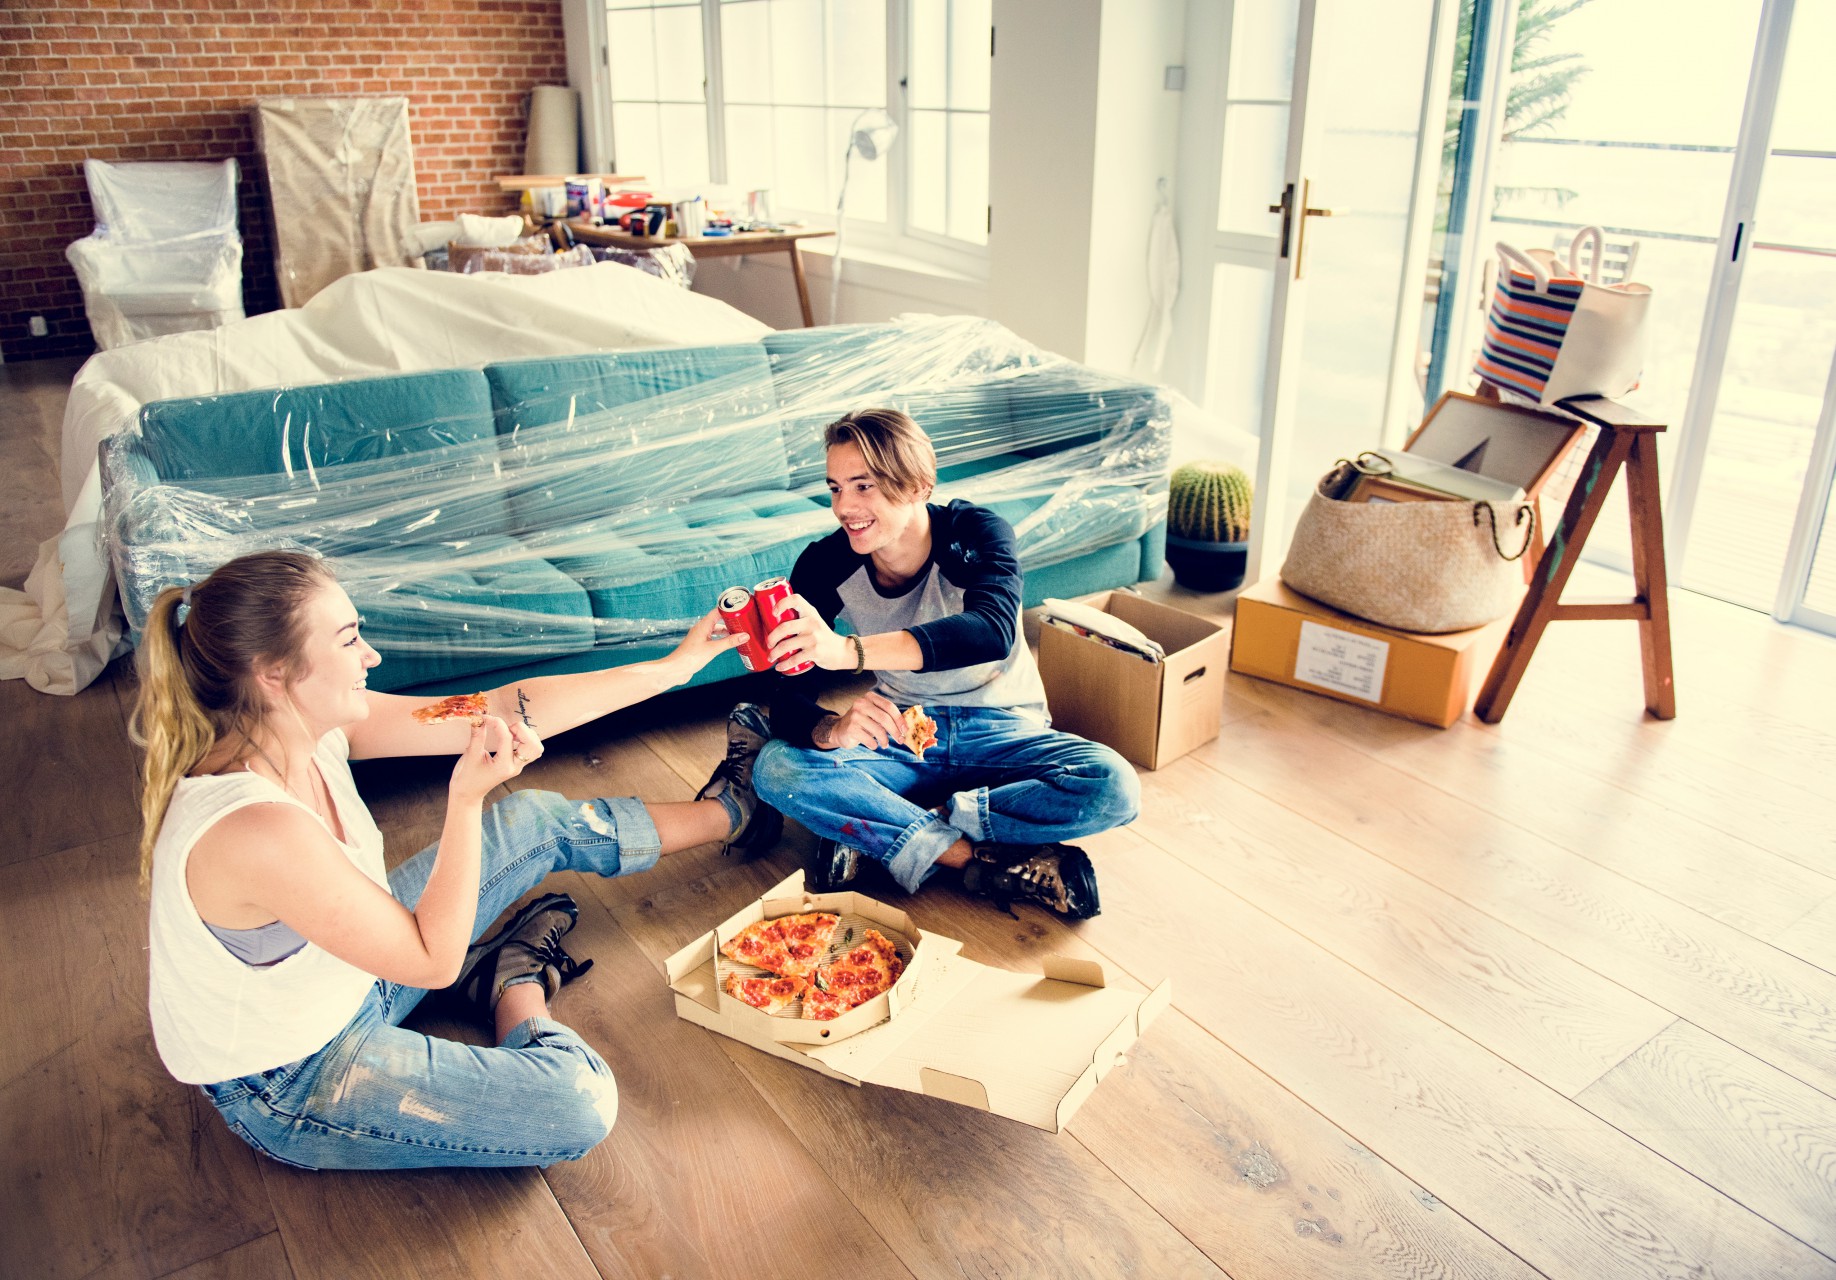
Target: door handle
point(1307, 211)
point(1286, 210)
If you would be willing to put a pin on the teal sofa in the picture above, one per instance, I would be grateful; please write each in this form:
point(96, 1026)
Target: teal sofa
point(576, 513)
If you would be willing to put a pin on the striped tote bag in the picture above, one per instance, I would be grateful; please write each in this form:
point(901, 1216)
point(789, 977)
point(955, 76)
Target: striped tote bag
point(1555, 332)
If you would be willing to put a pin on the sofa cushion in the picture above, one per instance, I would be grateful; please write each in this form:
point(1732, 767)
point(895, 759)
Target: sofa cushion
point(437, 612)
point(300, 429)
point(643, 574)
point(589, 435)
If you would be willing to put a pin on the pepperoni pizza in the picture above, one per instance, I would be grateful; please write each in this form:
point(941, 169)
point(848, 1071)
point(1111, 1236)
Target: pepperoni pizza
point(461, 706)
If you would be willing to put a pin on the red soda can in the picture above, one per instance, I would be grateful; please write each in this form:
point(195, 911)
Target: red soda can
point(770, 596)
point(741, 613)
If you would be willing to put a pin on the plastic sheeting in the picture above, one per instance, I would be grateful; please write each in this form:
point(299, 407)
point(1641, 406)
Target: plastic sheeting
point(165, 256)
point(341, 186)
point(59, 632)
point(531, 509)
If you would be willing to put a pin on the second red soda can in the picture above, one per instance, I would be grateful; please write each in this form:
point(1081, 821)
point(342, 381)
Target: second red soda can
point(740, 612)
point(770, 596)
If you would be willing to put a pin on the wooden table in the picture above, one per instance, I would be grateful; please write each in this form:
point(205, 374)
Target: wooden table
point(739, 244)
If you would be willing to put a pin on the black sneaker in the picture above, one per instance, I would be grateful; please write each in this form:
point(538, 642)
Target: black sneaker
point(832, 867)
point(1058, 877)
point(529, 945)
point(759, 825)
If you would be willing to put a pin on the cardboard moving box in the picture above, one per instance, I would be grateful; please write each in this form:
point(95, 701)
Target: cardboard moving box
point(1031, 1048)
point(1284, 636)
point(1152, 713)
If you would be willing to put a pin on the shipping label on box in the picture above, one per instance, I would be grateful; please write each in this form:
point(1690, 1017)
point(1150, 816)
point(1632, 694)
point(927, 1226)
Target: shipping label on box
point(1028, 1047)
point(1150, 712)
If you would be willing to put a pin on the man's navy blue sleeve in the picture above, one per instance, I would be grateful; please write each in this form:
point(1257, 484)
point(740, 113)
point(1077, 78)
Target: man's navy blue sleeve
point(978, 554)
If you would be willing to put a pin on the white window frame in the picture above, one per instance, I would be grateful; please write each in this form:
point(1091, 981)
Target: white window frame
point(895, 237)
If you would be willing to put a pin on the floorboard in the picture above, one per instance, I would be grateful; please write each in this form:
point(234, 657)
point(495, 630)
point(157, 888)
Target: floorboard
point(1556, 1186)
point(1701, 1102)
point(1771, 1004)
point(1555, 1019)
point(1264, 1184)
point(261, 1259)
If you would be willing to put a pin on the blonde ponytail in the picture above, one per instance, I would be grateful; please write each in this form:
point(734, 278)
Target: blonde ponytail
point(167, 720)
point(197, 683)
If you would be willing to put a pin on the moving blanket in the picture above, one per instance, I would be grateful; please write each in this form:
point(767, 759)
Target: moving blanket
point(61, 630)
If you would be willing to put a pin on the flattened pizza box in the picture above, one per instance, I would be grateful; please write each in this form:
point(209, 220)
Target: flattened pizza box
point(1150, 712)
point(1295, 640)
point(1028, 1047)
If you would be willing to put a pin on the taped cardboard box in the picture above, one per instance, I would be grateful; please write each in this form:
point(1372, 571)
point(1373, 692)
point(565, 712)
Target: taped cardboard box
point(1028, 1047)
point(1152, 713)
point(1284, 636)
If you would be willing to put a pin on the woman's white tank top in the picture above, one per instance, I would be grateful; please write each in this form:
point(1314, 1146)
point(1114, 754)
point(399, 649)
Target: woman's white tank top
point(214, 1017)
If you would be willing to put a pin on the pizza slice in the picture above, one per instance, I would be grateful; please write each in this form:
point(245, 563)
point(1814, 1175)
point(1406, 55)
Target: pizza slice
point(806, 940)
point(767, 994)
point(759, 943)
point(863, 972)
point(820, 1006)
point(461, 706)
point(920, 731)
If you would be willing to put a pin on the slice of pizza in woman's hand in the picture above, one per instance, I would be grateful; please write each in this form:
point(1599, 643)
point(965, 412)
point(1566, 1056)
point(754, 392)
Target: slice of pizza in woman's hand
point(767, 994)
point(461, 706)
point(920, 731)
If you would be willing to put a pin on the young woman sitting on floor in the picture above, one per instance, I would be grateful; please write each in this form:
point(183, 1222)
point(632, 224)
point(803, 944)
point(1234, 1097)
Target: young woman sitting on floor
point(283, 956)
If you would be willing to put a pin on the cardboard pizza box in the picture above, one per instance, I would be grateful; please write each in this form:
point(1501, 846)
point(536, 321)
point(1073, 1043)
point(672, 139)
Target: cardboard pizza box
point(1026, 1046)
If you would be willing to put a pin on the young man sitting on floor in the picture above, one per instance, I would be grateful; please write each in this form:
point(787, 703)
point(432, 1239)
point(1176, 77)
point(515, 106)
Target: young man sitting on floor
point(933, 596)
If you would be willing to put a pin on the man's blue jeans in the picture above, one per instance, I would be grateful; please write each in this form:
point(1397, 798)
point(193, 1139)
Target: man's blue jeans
point(380, 1097)
point(996, 775)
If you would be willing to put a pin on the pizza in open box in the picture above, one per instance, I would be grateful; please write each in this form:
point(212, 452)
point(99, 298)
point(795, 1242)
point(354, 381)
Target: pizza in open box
point(791, 946)
point(860, 974)
point(768, 994)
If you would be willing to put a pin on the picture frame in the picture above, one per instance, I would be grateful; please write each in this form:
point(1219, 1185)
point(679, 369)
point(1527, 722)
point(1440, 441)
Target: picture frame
point(1513, 443)
point(1369, 488)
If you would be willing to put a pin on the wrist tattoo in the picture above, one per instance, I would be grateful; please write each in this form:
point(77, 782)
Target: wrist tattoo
point(522, 708)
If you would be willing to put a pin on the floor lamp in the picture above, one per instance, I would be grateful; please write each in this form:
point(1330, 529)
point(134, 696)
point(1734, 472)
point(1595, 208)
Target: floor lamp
point(872, 135)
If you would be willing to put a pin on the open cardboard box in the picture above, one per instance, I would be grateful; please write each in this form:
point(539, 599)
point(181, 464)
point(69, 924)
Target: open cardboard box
point(1152, 713)
point(1031, 1048)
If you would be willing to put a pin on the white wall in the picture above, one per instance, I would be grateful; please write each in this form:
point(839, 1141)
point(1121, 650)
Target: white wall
point(1081, 127)
point(1137, 143)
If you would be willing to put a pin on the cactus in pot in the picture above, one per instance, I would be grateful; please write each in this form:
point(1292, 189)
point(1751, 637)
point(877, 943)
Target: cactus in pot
point(1208, 525)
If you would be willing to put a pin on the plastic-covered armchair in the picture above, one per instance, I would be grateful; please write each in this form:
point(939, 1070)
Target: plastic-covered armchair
point(165, 256)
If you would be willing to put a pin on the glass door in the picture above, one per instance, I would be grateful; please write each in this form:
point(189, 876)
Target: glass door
point(1304, 220)
point(1747, 500)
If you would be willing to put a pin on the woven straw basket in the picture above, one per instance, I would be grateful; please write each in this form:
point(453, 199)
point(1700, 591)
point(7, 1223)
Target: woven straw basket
point(1415, 566)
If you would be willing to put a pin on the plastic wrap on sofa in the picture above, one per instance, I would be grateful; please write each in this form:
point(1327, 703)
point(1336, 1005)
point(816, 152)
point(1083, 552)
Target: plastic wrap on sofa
point(602, 502)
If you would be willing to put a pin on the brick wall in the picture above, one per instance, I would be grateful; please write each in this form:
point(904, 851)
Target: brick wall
point(175, 79)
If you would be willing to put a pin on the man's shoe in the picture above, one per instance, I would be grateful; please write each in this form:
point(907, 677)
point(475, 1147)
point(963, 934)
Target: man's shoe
point(1058, 877)
point(529, 946)
point(759, 825)
point(832, 867)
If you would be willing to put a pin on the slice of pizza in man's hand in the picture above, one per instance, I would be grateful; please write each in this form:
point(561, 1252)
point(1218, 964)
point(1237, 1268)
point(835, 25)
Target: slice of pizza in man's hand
point(920, 731)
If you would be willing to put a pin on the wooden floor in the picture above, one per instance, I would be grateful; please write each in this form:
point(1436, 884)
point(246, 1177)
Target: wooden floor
point(1555, 997)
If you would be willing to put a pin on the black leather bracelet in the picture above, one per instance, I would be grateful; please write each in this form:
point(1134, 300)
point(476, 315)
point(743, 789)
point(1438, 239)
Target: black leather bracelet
point(860, 655)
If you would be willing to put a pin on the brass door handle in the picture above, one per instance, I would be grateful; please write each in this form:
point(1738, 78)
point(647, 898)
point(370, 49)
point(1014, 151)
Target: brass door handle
point(1308, 211)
